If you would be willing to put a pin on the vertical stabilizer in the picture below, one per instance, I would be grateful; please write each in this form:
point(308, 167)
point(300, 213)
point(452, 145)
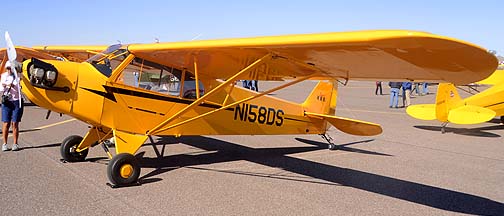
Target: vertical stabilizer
point(322, 99)
point(450, 107)
point(447, 98)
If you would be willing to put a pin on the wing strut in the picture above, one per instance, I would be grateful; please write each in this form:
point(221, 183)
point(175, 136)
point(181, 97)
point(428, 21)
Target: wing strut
point(235, 103)
point(196, 76)
point(200, 100)
point(229, 94)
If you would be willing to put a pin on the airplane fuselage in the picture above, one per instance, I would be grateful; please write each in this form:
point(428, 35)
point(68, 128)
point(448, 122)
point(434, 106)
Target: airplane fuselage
point(492, 98)
point(100, 103)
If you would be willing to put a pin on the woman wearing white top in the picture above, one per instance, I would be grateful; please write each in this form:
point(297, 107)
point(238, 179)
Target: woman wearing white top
point(11, 109)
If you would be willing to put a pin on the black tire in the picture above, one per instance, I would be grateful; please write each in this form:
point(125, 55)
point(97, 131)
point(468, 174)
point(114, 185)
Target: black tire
point(332, 147)
point(116, 164)
point(502, 119)
point(67, 149)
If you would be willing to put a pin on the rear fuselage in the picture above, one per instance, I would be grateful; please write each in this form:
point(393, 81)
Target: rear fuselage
point(492, 98)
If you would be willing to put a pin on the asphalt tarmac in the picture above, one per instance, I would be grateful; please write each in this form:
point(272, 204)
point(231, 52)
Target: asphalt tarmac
point(410, 169)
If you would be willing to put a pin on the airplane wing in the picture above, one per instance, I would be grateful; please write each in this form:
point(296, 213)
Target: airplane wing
point(369, 55)
point(73, 53)
point(25, 53)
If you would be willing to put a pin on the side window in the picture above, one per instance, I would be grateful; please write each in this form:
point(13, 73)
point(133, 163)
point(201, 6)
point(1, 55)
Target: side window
point(159, 78)
point(190, 89)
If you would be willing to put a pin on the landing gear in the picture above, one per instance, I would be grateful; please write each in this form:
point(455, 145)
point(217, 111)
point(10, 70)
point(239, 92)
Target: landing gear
point(123, 170)
point(68, 147)
point(443, 127)
point(329, 140)
point(502, 119)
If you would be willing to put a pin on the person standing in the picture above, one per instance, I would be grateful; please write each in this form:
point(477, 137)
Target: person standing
point(406, 87)
point(378, 86)
point(417, 89)
point(12, 111)
point(246, 84)
point(254, 85)
point(394, 93)
point(425, 89)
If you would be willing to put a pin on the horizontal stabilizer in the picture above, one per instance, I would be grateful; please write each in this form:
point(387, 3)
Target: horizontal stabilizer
point(350, 126)
point(470, 114)
point(422, 111)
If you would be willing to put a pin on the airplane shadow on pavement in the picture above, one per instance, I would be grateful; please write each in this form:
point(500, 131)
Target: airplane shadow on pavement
point(479, 131)
point(223, 151)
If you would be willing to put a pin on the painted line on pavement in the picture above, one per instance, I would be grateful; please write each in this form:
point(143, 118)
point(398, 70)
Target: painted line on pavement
point(43, 127)
point(54, 124)
point(370, 111)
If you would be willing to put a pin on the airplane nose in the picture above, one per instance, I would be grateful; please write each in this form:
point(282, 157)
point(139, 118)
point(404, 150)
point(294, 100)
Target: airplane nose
point(44, 75)
point(50, 83)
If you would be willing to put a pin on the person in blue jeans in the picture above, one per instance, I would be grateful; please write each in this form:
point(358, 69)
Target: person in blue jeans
point(425, 90)
point(394, 93)
point(250, 84)
point(246, 84)
point(406, 88)
point(254, 85)
point(12, 111)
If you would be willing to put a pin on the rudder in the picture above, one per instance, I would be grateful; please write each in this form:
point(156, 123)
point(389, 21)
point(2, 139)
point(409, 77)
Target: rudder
point(450, 107)
point(447, 98)
point(323, 98)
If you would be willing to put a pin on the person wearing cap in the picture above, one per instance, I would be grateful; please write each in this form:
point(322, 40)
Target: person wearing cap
point(11, 109)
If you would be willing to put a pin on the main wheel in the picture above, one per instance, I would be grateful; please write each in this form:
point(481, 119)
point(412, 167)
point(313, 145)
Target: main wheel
point(67, 149)
point(123, 169)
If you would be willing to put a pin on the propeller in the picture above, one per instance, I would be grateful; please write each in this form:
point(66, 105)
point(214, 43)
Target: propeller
point(12, 55)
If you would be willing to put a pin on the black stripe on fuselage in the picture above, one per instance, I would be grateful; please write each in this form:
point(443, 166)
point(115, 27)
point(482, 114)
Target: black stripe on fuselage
point(495, 104)
point(293, 119)
point(147, 111)
point(109, 94)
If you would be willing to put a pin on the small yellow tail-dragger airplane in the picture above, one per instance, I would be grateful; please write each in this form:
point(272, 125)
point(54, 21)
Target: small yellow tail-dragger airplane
point(130, 92)
point(450, 108)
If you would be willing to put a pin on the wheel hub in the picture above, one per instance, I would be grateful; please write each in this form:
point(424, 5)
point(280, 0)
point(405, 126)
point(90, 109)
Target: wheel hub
point(126, 170)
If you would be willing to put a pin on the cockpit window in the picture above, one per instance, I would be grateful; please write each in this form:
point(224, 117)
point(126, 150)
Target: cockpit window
point(109, 59)
point(159, 78)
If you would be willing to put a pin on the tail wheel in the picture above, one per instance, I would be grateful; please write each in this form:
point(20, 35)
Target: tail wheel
point(68, 147)
point(123, 169)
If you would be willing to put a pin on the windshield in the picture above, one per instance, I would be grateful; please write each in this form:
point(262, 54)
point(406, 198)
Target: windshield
point(104, 54)
point(109, 59)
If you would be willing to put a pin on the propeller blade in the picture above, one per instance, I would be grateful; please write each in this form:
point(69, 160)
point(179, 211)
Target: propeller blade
point(12, 55)
point(11, 51)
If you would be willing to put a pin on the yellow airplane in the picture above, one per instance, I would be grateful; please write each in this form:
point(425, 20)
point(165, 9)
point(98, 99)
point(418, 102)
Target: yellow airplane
point(451, 108)
point(132, 92)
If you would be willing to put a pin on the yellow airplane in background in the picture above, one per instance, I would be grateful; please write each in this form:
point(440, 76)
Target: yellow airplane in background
point(451, 108)
point(132, 92)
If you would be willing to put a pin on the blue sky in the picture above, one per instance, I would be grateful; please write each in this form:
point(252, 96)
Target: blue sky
point(141, 21)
